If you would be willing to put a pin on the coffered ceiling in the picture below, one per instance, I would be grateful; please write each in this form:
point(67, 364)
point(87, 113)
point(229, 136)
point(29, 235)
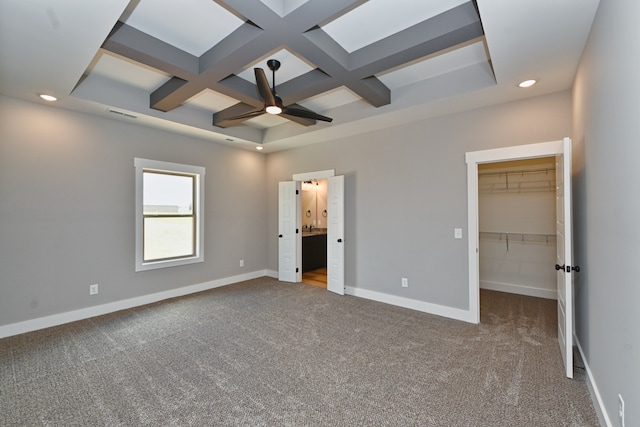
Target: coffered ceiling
point(188, 66)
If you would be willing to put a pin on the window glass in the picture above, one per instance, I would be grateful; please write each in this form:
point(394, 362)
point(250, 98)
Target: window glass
point(168, 218)
point(167, 193)
point(169, 225)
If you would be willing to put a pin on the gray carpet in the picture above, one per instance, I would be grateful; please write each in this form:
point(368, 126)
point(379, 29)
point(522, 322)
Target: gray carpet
point(265, 353)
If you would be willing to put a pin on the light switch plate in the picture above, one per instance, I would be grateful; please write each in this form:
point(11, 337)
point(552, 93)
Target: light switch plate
point(457, 233)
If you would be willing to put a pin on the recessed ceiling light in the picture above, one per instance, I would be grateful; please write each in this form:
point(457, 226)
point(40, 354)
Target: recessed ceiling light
point(527, 83)
point(49, 98)
point(259, 147)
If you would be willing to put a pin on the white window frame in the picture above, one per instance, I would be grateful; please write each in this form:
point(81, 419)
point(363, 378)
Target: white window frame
point(198, 172)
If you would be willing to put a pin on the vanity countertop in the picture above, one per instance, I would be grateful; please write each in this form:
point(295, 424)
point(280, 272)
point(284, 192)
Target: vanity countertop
point(318, 232)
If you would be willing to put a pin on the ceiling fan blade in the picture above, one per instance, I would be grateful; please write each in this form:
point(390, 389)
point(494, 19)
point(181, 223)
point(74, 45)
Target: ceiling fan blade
point(263, 87)
point(299, 120)
point(307, 114)
point(246, 116)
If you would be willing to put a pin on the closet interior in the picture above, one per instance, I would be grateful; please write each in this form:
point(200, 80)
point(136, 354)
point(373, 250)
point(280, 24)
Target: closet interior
point(516, 207)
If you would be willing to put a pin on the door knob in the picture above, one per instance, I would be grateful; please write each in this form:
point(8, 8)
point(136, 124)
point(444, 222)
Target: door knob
point(568, 268)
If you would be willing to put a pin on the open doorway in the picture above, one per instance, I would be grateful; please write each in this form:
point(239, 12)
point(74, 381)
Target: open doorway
point(564, 267)
point(516, 222)
point(290, 227)
point(314, 232)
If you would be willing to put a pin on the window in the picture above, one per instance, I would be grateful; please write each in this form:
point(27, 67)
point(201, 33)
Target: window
point(169, 217)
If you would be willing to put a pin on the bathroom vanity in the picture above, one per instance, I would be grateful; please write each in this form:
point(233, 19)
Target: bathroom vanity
point(314, 250)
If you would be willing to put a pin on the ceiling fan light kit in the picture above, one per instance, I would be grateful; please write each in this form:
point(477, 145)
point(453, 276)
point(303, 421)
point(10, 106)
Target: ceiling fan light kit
point(273, 109)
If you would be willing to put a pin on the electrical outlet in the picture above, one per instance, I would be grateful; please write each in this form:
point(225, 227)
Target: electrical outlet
point(241, 263)
point(405, 282)
point(93, 289)
point(621, 410)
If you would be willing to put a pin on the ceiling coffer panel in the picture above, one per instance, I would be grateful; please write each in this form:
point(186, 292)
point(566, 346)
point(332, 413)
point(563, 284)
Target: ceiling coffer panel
point(265, 31)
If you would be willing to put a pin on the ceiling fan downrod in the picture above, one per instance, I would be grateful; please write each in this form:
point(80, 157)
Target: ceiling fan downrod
point(273, 65)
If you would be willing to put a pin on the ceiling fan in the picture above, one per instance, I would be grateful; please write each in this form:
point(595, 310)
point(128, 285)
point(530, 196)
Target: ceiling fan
point(272, 102)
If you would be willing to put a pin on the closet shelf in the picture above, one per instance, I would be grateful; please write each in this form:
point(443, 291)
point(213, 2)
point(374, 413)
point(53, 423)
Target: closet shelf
point(507, 238)
point(517, 181)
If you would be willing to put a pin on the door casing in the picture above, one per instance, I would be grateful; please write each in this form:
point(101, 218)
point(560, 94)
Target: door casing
point(473, 159)
point(324, 174)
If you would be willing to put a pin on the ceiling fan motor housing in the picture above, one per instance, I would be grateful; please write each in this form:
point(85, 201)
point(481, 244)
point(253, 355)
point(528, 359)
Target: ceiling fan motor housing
point(273, 64)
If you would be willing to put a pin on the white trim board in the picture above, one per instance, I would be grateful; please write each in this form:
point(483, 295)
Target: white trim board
point(598, 404)
point(98, 310)
point(271, 273)
point(519, 289)
point(306, 176)
point(425, 307)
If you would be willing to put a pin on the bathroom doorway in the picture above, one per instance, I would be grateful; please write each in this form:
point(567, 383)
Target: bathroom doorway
point(290, 226)
point(314, 232)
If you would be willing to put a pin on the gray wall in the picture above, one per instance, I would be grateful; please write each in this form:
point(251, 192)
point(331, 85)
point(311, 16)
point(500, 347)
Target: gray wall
point(607, 205)
point(67, 210)
point(406, 189)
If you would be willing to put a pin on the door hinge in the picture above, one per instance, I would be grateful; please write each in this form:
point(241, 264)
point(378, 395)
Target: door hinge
point(297, 269)
point(296, 231)
point(297, 192)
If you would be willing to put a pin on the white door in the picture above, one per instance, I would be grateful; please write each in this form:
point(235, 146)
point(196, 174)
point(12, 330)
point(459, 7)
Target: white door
point(335, 235)
point(564, 266)
point(289, 237)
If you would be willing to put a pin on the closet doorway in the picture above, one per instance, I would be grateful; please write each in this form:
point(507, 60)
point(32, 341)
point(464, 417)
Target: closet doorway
point(516, 223)
point(564, 267)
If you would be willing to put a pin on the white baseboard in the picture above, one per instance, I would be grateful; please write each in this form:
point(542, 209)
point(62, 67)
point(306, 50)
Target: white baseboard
point(440, 310)
point(272, 273)
point(519, 289)
point(598, 404)
point(98, 310)
point(85, 313)
point(426, 307)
